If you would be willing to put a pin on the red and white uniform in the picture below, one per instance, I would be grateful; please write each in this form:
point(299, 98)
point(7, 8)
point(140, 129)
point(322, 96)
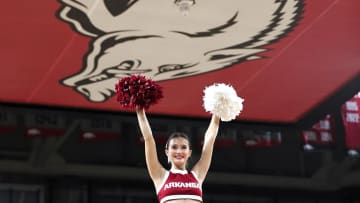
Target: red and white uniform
point(179, 184)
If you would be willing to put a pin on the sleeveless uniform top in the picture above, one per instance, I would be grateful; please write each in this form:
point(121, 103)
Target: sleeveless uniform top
point(179, 184)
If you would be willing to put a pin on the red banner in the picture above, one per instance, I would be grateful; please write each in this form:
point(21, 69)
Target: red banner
point(350, 115)
point(322, 133)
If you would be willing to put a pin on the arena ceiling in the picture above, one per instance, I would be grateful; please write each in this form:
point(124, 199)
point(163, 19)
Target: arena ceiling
point(285, 58)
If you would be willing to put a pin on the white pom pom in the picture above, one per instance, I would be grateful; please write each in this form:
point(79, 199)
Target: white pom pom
point(222, 100)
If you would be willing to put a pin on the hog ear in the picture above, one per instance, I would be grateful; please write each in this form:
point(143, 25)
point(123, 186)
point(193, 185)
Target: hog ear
point(118, 7)
point(285, 20)
point(83, 26)
point(77, 12)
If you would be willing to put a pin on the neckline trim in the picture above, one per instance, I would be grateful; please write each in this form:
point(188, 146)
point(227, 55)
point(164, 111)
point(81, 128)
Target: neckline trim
point(179, 171)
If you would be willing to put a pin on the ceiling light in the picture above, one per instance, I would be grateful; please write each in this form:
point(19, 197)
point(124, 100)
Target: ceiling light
point(308, 147)
point(184, 6)
point(353, 153)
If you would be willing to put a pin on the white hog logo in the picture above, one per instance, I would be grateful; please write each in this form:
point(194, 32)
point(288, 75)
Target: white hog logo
point(154, 39)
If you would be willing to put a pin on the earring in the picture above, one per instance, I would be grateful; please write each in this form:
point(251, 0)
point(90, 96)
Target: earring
point(169, 161)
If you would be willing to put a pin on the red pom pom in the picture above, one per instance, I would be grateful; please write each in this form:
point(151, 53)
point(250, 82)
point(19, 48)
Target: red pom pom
point(137, 91)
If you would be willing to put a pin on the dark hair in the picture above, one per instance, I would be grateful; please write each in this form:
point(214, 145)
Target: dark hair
point(176, 135)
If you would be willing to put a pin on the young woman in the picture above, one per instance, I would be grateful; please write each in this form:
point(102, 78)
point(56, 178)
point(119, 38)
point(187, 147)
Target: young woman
point(178, 185)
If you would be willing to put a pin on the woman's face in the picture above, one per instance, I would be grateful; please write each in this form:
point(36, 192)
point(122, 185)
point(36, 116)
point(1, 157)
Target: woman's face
point(178, 152)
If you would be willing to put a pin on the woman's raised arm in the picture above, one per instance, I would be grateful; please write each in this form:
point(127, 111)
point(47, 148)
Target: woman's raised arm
point(154, 167)
point(202, 166)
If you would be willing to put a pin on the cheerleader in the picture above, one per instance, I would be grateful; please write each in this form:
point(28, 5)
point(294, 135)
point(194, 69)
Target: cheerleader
point(179, 184)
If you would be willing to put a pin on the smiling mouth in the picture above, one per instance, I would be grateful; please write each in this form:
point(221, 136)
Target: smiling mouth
point(179, 157)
